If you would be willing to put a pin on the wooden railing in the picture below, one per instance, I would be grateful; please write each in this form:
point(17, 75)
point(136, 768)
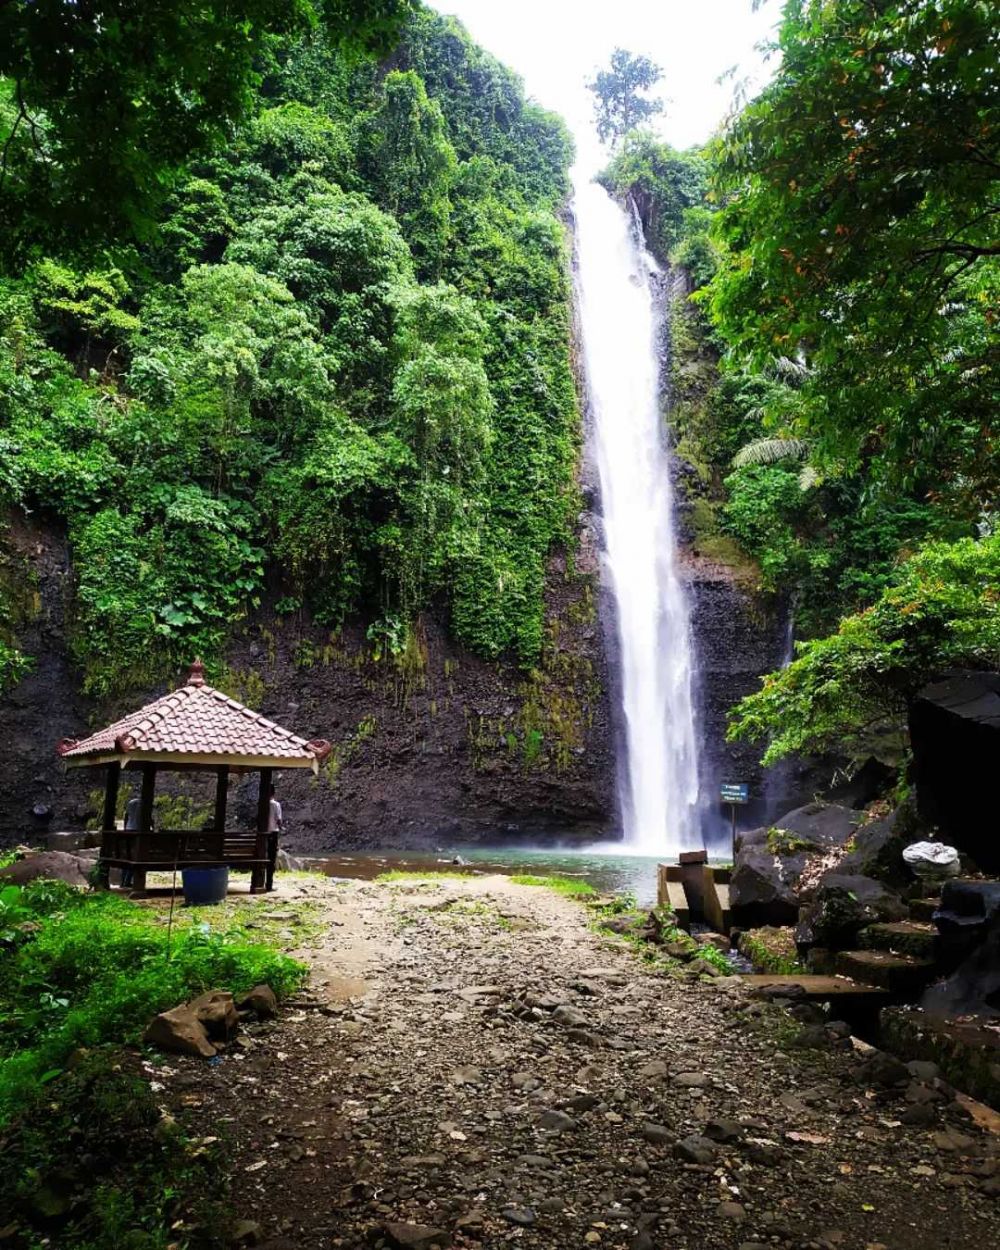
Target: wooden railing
point(162, 849)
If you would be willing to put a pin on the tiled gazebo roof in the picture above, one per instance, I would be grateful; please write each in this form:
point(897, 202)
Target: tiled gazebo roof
point(196, 725)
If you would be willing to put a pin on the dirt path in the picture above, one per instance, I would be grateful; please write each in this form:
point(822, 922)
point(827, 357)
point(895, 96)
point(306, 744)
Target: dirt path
point(471, 1058)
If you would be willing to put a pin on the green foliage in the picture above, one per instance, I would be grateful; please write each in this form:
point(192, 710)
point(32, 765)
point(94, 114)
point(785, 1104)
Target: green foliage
point(17, 592)
point(571, 887)
point(91, 969)
point(620, 102)
point(771, 950)
point(768, 450)
point(92, 132)
point(93, 1161)
point(781, 842)
point(409, 164)
point(940, 612)
point(859, 225)
point(667, 187)
point(341, 367)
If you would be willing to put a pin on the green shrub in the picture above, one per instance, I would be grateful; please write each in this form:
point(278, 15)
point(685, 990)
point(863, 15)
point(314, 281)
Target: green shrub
point(88, 1162)
point(83, 970)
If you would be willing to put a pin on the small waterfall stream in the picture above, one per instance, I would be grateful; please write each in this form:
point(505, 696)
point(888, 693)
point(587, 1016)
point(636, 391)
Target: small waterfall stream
point(658, 776)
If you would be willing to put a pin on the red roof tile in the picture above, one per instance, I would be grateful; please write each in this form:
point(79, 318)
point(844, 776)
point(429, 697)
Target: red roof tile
point(198, 720)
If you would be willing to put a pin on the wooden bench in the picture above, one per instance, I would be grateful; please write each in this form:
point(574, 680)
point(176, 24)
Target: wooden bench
point(164, 850)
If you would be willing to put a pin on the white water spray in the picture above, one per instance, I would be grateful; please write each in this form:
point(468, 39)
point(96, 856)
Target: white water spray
point(658, 781)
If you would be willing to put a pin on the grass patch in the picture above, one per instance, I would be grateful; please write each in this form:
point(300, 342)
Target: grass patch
point(771, 950)
point(403, 874)
point(83, 970)
point(570, 887)
point(782, 842)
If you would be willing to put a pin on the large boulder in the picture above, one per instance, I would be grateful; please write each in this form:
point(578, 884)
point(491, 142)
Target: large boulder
point(823, 825)
point(763, 889)
point(841, 906)
point(53, 865)
point(973, 989)
point(964, 919)
point(877, 850)
point(955, 736)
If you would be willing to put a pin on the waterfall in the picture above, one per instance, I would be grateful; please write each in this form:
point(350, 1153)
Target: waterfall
point(658, 774)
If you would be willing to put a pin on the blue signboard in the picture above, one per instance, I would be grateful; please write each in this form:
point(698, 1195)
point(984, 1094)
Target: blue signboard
point(737, 792)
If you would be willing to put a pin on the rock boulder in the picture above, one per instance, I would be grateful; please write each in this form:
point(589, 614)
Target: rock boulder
point(763, 888)
point(216, 1012)
point(53, 865)
point(179, 1030)
point(877, 851)
point(824, 825)
point(842, 905)
point(261, 1001)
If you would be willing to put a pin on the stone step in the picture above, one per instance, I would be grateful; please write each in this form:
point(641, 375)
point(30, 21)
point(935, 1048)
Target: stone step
point(905, 937)
point(902, 975)
point(967, 1050)
point(808, 986)
point(923, 909)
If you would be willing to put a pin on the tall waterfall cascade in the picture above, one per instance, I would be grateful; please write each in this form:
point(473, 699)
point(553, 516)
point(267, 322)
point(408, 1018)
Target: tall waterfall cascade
point(658, 771)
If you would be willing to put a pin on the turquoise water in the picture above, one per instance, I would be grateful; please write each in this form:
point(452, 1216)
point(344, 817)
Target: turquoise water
point(605, 868)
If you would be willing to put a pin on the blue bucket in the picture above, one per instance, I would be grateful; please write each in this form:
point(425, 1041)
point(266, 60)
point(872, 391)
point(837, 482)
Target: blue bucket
point(204, 885)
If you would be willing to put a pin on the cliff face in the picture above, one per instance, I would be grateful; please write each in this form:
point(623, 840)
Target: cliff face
point(739, 636)
point(431, 747)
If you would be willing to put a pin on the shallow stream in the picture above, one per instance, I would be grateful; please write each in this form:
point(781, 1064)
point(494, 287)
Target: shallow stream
point(607, 869)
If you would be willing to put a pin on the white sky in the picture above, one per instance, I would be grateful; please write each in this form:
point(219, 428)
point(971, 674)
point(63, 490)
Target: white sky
point(556, 44)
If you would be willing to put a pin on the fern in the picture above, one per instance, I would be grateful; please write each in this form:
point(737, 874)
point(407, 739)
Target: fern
point(770, 450)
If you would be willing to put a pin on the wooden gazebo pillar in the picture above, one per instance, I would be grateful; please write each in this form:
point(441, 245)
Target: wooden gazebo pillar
point(221, 795)
point(146, 795)
point(112, 781)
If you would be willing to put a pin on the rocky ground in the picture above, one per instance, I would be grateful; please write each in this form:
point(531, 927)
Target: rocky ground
point(473, 1064)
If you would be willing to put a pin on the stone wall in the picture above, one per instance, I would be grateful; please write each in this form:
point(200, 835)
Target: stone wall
point(433, 747)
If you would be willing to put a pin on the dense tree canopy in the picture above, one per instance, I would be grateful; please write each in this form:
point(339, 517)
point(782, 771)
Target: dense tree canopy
point(860, 199)
point(861, 220)
point(339, 370)
point(102, 102)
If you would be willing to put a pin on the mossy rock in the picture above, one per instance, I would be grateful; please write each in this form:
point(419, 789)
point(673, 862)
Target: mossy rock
point(770, 949)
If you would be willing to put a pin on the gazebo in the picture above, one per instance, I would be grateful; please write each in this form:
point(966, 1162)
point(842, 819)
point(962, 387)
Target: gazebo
point(194, 728)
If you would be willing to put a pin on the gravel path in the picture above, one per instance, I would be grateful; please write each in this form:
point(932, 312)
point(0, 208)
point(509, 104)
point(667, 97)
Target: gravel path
point(473, 1065)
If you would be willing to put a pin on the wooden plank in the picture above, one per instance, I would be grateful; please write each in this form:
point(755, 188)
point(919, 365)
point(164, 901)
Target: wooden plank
point(712, 902)
point(146, 797)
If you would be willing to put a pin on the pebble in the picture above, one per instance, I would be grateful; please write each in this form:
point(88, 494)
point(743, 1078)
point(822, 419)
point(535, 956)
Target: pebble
point(695, 1149)
point(690, 1080)
point(556, 1121)
point(654, 1070)
point(522, 1216)
point(571, 1017)
point(724, 1130)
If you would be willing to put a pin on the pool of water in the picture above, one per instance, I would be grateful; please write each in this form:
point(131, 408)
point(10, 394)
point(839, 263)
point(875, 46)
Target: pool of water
point(606, 868)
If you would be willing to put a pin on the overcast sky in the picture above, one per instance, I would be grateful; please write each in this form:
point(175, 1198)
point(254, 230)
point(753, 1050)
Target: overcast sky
point(556, 44)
